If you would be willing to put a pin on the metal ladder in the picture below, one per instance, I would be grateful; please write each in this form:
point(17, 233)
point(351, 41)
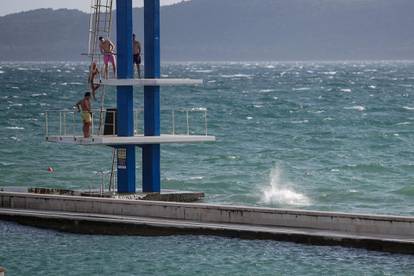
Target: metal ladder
point(100, 26)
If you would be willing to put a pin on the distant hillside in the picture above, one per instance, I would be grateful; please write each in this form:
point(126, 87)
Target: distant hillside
point(234, 30)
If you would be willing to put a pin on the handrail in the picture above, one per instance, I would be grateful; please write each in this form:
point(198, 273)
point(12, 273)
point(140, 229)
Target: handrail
point(65, 123)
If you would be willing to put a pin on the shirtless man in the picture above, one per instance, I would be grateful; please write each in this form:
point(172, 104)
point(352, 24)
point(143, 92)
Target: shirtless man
point(93, 73)
point(137, 54)
point(107, 49)
point(84, 107)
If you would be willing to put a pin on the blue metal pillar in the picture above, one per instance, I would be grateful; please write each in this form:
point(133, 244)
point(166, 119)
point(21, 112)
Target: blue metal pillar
point(151, 176)
point(125, 99)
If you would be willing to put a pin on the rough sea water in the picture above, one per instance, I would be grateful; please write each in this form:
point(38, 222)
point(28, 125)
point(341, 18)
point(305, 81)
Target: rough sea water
point(317, 136)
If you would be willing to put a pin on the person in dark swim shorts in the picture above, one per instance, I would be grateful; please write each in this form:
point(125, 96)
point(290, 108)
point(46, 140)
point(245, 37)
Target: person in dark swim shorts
point(137, 54)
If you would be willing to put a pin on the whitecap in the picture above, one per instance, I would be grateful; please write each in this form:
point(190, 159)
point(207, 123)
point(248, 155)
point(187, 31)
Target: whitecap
point(6, 164)
point(372, 86)
point(212, 81)
point(1, 72)
point(404, 124)
point(319, 111)
point(22, 69)
point(236, 76)
point(232, 157)
point(15, 87)
point(258, 106)
point(203, 71)
point(408, 108)
point(300, 122)
point(356, 107)
point(249, 118)
point(346, 90)
point(76, 83)
point(15, 128)
point(39, 94)
point(196, 178)
point(332, 73)
point(279, 192)
point(301, 89)
point(64, 84)
point(266, 90)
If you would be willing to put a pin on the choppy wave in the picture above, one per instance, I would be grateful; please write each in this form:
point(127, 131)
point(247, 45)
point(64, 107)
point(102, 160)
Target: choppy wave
point(301, 89)
point(282, 193)
point(236, 76)
point(15, 128)
point(356, 107)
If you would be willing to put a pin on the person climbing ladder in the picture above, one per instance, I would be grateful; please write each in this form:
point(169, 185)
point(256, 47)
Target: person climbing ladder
point(93, 73)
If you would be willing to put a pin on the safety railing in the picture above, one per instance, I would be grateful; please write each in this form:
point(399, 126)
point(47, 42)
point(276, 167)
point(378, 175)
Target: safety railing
point(62, 123)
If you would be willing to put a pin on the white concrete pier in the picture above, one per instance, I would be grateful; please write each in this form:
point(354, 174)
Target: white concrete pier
point(110, 216)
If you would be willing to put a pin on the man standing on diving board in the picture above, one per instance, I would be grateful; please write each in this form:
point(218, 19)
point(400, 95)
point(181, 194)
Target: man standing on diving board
point(107, 49)
point(137, 54)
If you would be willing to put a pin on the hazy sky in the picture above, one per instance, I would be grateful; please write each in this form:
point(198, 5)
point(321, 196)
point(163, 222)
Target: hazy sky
point(12, 6)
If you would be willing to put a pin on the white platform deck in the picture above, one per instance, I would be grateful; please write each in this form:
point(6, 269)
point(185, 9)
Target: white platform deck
point(151, 82)
point(136, 140)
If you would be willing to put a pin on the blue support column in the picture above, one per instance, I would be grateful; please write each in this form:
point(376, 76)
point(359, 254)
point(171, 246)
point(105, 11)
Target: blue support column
point(151, 176)
point(125, 98)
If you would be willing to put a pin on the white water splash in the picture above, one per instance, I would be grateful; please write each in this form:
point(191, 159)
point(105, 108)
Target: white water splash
point(356, 107)
point(279, 192)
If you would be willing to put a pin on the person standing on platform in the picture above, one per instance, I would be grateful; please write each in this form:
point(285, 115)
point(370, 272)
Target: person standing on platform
point(84, 107)
point(137, 54)
point(107, 49)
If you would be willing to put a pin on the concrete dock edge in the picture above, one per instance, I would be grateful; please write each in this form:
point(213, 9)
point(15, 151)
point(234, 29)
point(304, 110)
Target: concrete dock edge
point(109, 216)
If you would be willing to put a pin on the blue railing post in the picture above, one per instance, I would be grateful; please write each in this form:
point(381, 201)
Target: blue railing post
point(151, 153)
point(125, 108)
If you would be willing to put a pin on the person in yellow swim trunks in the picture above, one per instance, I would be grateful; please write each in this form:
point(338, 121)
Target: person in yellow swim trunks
point(84, 107)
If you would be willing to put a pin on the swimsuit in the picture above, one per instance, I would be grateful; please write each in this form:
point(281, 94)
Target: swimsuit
point(86, 116)
point(137, 59)
point(109, 57)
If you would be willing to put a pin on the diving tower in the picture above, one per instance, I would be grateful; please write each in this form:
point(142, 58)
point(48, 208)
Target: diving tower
point(124, 131)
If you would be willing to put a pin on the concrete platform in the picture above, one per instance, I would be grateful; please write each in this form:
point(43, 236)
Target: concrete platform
point(151, 82)
point(110, 140)
point(131, 217)
point(165, 195)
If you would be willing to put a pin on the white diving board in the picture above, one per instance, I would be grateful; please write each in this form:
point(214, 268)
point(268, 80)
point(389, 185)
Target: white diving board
point(150, 82)
point(109, 140)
